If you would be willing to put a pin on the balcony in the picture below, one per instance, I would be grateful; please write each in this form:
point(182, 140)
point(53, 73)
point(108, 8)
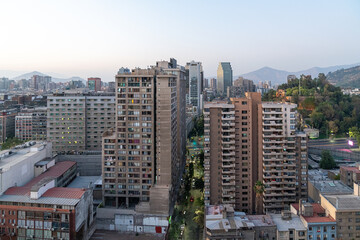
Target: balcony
point(228, 177)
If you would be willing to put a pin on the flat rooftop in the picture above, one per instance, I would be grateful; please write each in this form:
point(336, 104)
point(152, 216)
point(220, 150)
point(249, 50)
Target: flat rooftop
point(331, 187)
point(285, 225)
point(11, 157)
point(344, 202)
point(85, 182)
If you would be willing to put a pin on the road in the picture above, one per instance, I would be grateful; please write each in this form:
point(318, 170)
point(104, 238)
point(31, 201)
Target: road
point(332, 144)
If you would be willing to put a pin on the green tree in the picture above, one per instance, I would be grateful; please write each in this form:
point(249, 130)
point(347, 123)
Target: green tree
point(327, 161)
point(259, 190)
point(11, 142)
point(199, 218)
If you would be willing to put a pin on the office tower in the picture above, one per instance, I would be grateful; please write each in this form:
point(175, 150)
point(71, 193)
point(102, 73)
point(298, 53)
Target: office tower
point(195, 84)
point(283, 157)
point(94, 84)
point(76, 121)
point(7, 124)
point(231, 151)
point(30, 124)
point(224, 77)
point(140, 157)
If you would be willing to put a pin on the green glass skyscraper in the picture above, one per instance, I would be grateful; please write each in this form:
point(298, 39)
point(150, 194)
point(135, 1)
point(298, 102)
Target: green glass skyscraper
point(224, 77)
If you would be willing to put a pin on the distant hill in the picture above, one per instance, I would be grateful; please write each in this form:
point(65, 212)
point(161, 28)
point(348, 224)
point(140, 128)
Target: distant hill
point(349, 77)
point(54, 79)
point(279, 76)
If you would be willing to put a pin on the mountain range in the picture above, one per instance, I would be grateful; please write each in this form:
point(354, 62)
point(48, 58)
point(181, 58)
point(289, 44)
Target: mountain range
point(280, 76)
point(54, 79)
point(349, 77)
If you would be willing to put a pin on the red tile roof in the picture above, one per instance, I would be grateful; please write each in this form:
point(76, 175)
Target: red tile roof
point(351, 169)
point(319, 219)
point(317, 210)
point(62, 192)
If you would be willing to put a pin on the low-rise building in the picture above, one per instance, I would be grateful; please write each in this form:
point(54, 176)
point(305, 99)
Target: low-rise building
point(349, 175)
point(222, 222)
point(329, 187)
point(45, 209)
point(289, 226)
point(345, 209)
point(313, 216)
point(17, 164)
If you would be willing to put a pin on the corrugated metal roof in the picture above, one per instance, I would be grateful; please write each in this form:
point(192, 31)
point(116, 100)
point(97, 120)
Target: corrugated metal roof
point(42, 200)
point(61, 192)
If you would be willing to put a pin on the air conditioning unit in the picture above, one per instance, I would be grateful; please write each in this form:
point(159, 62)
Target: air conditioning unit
point(13, 224)
point(2, 223)
point(52, 229)
point(62, 229)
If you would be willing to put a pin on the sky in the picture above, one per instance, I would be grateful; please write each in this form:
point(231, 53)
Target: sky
point(94, 38)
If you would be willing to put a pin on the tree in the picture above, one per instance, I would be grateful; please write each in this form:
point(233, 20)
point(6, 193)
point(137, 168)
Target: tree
point(333, 127)
point(199, 218)
point(354, 132)
point(327, 160)
point(259, 190)
point(11, 142)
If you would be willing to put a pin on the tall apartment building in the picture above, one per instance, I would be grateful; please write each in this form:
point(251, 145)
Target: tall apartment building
point(231, 149)
point(282, 157)
point(30, 124)
point(195, 84)
point(224, 77)
point(76, 122)
point(94, 84)
point(141, 157)
point(7, 124)
point(247, 141)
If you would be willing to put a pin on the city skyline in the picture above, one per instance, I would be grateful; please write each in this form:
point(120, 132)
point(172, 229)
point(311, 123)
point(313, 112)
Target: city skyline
point(94, 39)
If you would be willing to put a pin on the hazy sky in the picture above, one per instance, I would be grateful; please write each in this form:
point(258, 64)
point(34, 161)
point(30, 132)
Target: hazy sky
point(94, 38)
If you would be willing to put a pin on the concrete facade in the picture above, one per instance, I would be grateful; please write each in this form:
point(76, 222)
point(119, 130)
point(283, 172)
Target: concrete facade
point(76, 122)
point(17, 165)
point(31, 124)
point(283, 157)
point(141, 159)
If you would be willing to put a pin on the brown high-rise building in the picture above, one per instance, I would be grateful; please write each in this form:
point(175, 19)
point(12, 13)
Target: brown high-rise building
point(231, 152)
point(247, 141)
point(142, 156)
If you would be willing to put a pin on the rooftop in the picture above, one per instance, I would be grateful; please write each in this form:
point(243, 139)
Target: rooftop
point(344, 202)
point(11, 157)
point(85, 182)
point(54, 172)
point(318, 213)
point(331, 187)
point(42, 200)
point(285, 225)
point(351, 169)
